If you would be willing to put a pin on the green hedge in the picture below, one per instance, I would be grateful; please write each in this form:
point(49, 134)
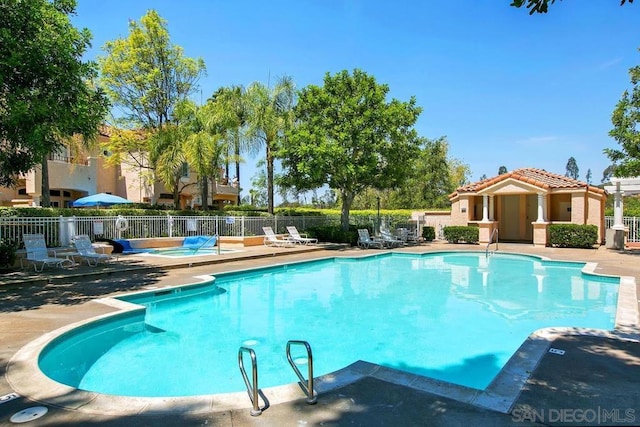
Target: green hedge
point(334, 234)
point(573, 235)
point(429, 233)
point(461, 233)
point(8, 250)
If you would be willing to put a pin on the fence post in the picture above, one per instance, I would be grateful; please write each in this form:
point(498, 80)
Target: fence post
point(242, 226)
point(170, 225)
point(275, 223)
point(63, 231)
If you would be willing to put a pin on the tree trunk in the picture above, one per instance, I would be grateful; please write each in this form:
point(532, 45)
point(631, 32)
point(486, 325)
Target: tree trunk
point(237, 154)
point(45, 196)
point(176, 193)
point(205, 193)
point(347, 200)
point(269, 179)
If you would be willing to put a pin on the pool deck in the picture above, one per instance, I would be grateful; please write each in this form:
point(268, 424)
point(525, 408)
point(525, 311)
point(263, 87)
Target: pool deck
point(595, 381)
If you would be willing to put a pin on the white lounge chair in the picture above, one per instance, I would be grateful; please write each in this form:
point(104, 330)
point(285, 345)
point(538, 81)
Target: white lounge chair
point(389, 240)
point(87, 251)
point(296, 237)
point(365, 241)
point(38, 253)
point(270, 239)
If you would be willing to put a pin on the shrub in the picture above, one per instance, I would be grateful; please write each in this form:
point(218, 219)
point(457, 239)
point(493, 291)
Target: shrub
point(573, 235)
point(8, 250)
point(429, 233)
point(461, 233)
point(334, 234)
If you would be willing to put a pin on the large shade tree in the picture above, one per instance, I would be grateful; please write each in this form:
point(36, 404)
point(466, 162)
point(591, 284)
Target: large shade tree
point(626, 125)
point(146, 76)
point(349, 137)
point(429, 182)
point(46, 95)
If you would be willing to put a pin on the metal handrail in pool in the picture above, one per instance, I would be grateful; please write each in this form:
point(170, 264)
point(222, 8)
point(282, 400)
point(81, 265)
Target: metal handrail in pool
point(252, 388)
point(308, 387)
point(495, 231)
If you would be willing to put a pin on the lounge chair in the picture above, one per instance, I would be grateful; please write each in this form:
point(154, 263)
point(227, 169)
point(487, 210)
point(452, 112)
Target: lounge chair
point(406, 236)
point(365, 241)
point(389, 240)
point(270, 239)
point(296, 237)
point(38, 253)
point(87, 252)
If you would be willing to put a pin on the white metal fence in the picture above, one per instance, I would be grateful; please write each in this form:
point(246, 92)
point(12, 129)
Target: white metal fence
point(59, 231)
point(631, 223)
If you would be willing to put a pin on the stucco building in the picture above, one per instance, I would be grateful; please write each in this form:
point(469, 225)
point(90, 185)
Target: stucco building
point(523, 203)
point(73, 177)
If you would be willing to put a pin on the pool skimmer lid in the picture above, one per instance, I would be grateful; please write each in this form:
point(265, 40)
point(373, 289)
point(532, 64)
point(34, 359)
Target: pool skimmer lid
point(556, 351)
point(28, 414)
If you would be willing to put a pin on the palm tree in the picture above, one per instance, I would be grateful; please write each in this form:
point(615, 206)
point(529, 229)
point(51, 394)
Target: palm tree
point(271, 114)
point(232, 107)
point(196, 141)
point(168, 156)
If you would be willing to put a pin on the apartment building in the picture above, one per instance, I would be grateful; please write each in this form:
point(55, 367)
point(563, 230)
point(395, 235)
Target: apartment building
point(73, 177)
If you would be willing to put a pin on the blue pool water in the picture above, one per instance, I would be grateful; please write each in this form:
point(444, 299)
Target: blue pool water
point(451, 316)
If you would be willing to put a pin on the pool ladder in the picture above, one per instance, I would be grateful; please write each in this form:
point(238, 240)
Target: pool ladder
point(494, 232)
point(252, 385)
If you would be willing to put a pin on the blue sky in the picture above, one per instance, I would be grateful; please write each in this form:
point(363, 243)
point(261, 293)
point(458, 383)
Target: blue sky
point(504, 87)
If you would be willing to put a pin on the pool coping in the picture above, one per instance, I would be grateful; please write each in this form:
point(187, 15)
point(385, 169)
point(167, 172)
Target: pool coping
point(24, 376)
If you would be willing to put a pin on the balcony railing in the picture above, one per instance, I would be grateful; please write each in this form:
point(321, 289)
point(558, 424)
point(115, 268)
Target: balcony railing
point(56, 157)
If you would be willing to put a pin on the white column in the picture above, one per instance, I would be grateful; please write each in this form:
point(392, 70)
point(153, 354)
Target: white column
point(492, 216)
point(485, 208)
point(618, 223)
point(540, 208)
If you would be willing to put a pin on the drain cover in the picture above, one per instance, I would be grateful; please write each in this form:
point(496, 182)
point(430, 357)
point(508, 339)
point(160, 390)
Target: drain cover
point(556, 351)
point(28, 414)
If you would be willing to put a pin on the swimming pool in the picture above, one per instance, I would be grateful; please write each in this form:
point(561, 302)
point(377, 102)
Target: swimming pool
point(451, 316)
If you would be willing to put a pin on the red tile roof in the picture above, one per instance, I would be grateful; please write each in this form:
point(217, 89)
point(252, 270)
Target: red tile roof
point(537, 177)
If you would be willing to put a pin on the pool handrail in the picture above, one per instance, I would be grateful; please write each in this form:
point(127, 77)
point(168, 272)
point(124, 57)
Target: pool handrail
point(495, 231)
point(252, 386)
point(308, 387)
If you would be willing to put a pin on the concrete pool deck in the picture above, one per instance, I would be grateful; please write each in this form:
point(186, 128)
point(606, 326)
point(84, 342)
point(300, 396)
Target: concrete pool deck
point(594, 382)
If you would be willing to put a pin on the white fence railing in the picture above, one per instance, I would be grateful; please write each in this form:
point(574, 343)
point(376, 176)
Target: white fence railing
point(59, 231)
point(631, 223)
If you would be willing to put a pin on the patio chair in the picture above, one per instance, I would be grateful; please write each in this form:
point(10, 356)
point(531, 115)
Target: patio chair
point(296, 237)
point(87, 252)
point(365, 241)
point(38, 253)
point(270, 239)
point(389, 239)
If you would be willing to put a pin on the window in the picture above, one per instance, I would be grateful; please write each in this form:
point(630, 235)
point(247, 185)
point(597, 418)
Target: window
point(54, 193)
point(185, 170)
point(66, 193)
point(22, 191)
point(166, 196)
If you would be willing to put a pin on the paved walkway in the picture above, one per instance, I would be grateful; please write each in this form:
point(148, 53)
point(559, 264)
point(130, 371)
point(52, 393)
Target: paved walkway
point(594, 382)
